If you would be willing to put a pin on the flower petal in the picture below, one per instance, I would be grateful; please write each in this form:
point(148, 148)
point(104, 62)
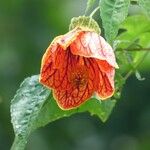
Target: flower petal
point(104, 65)
point(72, 98)
point(90, 44)
point(106, 83)
point(69, 37)
point(50, 51)
point(75, 96)
point(54, 67)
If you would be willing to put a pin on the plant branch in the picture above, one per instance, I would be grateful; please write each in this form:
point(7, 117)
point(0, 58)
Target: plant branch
point(137, 65)
point(134, 49)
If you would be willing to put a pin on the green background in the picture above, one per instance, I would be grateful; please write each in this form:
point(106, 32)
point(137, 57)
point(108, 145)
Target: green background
point(26, 29)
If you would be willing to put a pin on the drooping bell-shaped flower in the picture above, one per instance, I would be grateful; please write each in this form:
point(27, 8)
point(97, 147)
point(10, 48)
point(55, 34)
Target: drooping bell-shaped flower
point(78, 64)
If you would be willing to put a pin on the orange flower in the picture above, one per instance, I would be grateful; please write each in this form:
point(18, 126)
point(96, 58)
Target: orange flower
point(77, 65)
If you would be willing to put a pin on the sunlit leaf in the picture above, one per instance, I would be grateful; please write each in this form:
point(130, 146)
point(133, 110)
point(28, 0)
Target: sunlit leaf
point(134, 37)
point(134, 31)
point(113, 13)
point(25, 108)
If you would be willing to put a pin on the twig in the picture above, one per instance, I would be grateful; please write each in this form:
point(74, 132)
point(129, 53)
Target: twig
point(134, 49)
point(137, 65)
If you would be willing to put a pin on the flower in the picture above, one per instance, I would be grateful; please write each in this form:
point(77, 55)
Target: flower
point(76, 66)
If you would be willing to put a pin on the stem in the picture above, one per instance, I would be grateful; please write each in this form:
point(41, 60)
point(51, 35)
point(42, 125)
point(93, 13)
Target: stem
point(137, 65)
point(19, 143)
point(94, 11)
point(135, 49)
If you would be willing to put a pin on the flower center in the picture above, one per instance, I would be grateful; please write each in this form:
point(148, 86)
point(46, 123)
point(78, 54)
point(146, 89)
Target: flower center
point(79, 76)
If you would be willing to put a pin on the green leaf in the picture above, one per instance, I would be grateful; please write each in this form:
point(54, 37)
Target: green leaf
point(113, 13)
point(100, 108)
point(30, 110)
point(134, 31)
point(51, 112)
point(25, 108)
point(134, 36)
point(145, 5)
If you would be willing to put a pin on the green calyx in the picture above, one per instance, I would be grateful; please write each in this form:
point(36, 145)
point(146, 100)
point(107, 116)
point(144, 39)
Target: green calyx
point(85, 23)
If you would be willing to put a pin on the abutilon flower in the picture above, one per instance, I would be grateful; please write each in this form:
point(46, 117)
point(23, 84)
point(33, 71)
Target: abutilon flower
point(77, 65)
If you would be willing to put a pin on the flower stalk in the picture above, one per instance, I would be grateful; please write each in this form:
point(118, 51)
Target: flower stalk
point(94, 11)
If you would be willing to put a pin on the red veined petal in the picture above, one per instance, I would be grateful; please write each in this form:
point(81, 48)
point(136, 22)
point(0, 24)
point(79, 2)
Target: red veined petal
point(106, 83)
point(69, 37)
point(93, 71)
point(108, 70)
point(55, 73)
point(104, 65)
point(90, 44)
point(75, 96)
point(108, 52)
point(60, 42)
point(54, 67)
point(50, 51)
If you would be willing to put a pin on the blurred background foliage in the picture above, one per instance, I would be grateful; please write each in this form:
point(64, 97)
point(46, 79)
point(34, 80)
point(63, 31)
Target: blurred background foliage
point(26, 29)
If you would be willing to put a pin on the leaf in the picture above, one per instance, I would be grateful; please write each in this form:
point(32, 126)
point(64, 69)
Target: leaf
point(134, 31)
point(30, 110)
point(100, 108)
point(134, 36)
point(113, 13)
point(145, 5)
point(25, 108)
point(51, 112)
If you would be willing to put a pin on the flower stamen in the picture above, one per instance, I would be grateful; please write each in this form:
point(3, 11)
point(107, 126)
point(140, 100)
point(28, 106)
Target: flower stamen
point(78, 76)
